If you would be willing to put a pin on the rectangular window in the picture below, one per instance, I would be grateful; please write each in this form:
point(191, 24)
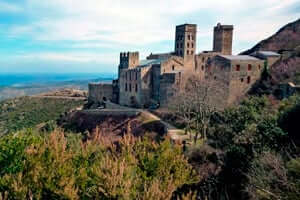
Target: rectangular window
point(129, 87)
point(136, 75)
point(192, 52)
point(189, 37)
point(188, 45)
point(187, 52)
point(129, 75)
point(136, 88)
point(126, 75)
point(238, 67)
point(248, 79)
point(126, 87)
point(249, 67)
point(192, 45)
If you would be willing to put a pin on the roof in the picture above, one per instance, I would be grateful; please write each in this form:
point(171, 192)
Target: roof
point(239, 57)
point(268, 53)
point(144, 63)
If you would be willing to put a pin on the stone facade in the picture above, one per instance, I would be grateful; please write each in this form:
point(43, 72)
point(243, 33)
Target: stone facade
point(100, 92)
point(223, 35)
point(142, 83)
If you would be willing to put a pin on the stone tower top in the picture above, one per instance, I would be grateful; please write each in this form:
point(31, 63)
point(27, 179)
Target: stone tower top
point(223, 36)
point(185, 40)
point(128, 60)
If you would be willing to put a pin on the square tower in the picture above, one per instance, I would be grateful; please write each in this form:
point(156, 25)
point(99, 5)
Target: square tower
point(128, 60)
point(185, 40)
point(223, 39)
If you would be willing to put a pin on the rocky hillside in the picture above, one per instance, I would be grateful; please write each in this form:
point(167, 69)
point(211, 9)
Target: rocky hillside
point(287, 38)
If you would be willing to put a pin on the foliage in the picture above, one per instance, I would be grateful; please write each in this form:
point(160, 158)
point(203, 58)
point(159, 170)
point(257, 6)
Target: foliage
point(55, 166)
point(26, 112)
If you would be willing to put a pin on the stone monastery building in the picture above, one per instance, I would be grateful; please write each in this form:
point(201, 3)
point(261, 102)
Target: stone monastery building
point(142, 83)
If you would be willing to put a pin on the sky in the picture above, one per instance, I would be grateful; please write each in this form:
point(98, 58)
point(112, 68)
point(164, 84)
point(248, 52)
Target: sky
point(86, 36)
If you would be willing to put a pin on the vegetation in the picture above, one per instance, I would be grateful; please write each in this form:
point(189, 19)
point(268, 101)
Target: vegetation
point(250, 151)
point(27, 112)
point(55, 166)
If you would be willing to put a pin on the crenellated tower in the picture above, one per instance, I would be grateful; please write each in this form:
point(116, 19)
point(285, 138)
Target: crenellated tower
point(128, 60)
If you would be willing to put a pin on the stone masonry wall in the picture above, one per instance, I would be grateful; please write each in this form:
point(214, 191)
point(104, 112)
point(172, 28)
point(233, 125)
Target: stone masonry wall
point(99, 92)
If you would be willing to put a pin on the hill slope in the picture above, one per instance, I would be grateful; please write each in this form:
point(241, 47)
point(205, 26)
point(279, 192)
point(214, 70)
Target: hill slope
point(287, 38)
point(27, 112)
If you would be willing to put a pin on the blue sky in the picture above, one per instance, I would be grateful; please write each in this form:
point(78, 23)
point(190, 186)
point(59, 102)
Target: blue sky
point(86, 36)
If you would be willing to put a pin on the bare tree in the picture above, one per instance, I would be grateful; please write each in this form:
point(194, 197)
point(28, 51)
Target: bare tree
point(193, 103)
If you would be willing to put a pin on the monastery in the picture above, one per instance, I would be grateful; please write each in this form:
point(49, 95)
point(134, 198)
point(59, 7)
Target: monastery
point(143, 83)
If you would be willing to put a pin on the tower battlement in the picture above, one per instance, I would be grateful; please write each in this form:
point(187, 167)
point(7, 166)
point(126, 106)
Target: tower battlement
point(129, 60)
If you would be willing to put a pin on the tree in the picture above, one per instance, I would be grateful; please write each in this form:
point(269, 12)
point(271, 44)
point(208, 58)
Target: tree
point(193, 103)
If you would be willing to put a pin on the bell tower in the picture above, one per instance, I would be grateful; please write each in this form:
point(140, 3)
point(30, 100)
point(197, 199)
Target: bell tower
point(185, 40)
point(223, 39)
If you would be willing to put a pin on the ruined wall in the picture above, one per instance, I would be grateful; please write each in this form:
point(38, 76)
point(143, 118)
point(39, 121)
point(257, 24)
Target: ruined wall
point(99, 92)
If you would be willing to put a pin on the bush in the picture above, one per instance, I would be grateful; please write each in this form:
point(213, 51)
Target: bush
point(56, 166)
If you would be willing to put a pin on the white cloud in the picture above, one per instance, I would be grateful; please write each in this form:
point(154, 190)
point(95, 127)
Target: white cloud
point(9, 7)
point(118, 24)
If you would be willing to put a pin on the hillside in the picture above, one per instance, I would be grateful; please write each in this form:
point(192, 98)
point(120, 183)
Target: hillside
point(287, 38)
point(27, 112)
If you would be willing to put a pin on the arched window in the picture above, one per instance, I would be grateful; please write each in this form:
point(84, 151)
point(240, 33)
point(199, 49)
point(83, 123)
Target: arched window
point(173, 67)
point(188, 45)
point(187, 52)
point(192, 45)
point(202, 67)
point(242, 80)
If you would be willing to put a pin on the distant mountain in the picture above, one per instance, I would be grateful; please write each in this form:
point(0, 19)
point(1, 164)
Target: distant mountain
point(287, 38)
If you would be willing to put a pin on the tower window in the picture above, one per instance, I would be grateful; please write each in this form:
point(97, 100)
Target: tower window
point(249, 67)
point(238, 67)
point(248, 79)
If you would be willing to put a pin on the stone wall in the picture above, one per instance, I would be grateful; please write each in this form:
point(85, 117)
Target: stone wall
point(232, 79)
point(223, 36)
point(99, 92)
point(169, 84)
point(135, 86)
